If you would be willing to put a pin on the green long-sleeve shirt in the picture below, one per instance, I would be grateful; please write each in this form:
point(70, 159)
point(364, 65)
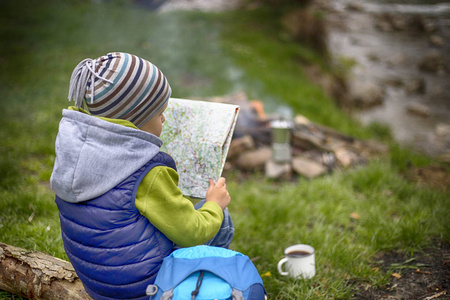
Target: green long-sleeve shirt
point(159, 199)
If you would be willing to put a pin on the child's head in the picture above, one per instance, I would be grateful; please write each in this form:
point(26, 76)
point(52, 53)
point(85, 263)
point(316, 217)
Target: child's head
point(125, 87)
point(155, 123)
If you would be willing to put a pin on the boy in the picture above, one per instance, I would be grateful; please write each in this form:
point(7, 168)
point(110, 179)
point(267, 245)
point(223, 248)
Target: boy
point(121, 210)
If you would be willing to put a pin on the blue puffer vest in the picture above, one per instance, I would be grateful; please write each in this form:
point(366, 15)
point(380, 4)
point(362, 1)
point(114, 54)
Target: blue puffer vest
point(115, 250)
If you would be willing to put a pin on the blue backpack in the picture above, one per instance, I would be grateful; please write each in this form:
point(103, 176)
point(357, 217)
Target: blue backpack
point(207, 272)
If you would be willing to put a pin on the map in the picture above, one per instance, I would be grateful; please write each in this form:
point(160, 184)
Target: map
point(197, 134)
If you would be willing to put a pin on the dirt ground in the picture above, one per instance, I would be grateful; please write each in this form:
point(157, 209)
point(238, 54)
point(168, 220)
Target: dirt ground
point(426, 276)
point(432, 176)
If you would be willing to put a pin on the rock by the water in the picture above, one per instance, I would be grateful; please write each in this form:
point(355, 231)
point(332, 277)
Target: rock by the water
point(366, 94)
point(419, 109)
point(433, 61)
point(437, 40)
point(415, 86)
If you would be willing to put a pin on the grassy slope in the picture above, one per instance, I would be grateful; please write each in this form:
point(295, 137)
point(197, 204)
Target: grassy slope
point(205, 55)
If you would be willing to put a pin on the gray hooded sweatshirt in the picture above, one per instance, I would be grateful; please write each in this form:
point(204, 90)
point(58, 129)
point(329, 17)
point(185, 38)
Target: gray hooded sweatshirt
point(94, 155)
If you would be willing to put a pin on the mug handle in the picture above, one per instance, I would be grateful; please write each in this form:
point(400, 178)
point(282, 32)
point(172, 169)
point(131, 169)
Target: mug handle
point(280, 267)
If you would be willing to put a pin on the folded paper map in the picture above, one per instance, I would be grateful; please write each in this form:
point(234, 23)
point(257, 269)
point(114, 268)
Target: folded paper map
point(197, 134)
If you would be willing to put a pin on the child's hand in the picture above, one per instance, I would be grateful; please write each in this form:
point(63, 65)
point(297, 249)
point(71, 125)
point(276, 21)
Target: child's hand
point(217, 192)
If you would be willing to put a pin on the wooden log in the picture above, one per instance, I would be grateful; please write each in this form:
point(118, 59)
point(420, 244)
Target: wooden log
point(302, 123)
point(37, 275)
point(308, 141)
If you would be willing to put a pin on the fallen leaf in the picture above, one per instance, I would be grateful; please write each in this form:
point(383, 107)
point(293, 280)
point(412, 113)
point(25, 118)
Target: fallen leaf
point(267, 274)
point(396, 275)
point(354, 216)
point(318, 294)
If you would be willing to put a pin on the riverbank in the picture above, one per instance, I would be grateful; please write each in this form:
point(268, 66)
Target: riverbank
point(399, 76)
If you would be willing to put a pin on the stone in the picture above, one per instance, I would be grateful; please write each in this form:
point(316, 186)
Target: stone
point(384, 23)
point(255, 159)
point(278, 170)
point(240, 145)
point(301, 120)
point(373, 57)
point(307, 168)
point(355, 6)
point(415, 86)
point(428, 25)
point(437, 91)
point(367, 94)
point(399, 59)
point(394, 81)
point(433, 61)
point(419, 109)
point(443, 129)
point(346, 157)
point(437, 40)
point(388, 22)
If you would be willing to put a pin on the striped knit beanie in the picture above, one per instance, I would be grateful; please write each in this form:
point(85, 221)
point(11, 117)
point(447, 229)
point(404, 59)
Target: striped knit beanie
point(120, 86)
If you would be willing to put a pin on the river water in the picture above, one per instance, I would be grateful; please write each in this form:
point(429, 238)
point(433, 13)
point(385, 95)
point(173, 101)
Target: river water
point(388, 57)
point(389, 54)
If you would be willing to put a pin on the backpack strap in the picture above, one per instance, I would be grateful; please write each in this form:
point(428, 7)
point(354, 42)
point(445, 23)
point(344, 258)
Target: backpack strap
point(167, 295)
point(237, 294)
point(151, 290)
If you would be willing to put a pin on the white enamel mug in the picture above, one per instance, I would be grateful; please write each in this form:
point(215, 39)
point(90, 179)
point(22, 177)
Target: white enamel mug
point(299, 260)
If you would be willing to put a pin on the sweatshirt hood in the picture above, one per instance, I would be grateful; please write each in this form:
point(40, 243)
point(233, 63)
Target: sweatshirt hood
point(94, 155)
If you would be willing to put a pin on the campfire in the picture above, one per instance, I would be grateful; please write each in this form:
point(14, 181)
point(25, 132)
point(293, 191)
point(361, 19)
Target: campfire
point(283, 148)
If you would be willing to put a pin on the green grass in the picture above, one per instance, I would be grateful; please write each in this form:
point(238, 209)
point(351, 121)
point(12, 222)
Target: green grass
point(394, 214)
point(208, 55)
